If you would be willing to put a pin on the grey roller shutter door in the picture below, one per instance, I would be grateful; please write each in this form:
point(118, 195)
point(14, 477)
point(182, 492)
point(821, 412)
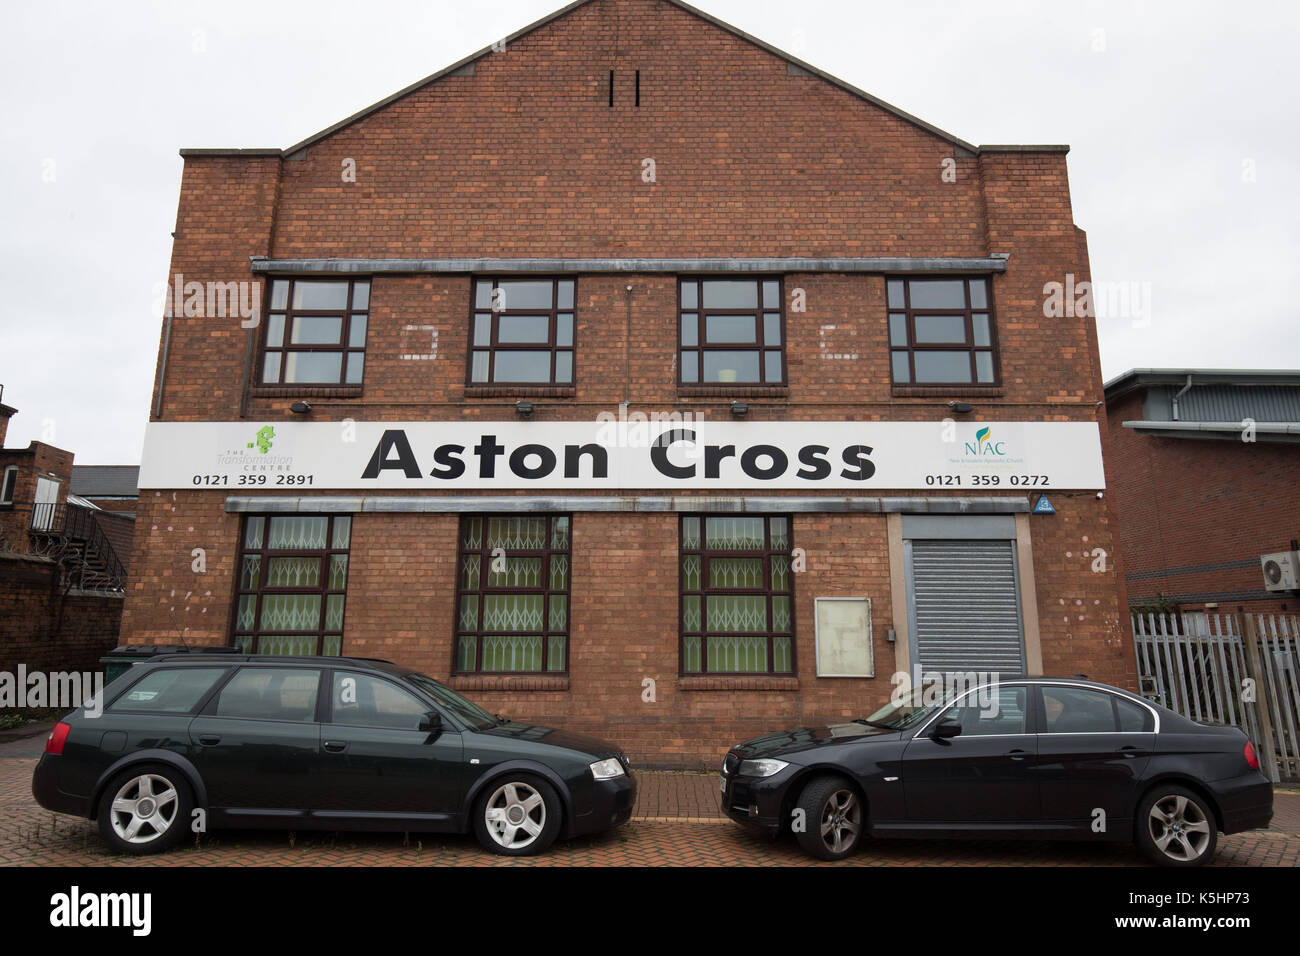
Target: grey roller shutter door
point(965, 606)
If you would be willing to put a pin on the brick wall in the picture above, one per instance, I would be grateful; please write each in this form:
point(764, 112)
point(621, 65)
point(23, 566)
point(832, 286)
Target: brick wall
point(1186, 503)
point(46, 629)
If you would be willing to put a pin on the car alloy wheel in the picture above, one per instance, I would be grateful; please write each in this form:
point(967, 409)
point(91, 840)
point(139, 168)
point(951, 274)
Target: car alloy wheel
point(144, 808)
point(841, 822)
point(829, 818)
point(1179, 828)
point(515, 815)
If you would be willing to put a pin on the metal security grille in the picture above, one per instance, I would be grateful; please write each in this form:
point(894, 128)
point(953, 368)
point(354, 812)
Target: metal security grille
point(965, 606)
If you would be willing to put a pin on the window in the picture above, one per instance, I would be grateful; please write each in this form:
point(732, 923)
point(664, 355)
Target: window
point(293, 577)
point(512, 602)
point(8, 484)
point(737, 595)
point(522, 332)
point(982, 714)
point(361, 700)
point(941, 332)
point(270, 693)
point(732, 332)
point(171, 691)
point(1079, 710)
point(316, 332)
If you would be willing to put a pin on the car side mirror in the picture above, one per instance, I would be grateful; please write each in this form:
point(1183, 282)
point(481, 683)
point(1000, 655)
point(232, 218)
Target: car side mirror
point(430, 722)
point(946, 729)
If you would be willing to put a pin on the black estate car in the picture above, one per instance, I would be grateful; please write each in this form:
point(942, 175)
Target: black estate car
point(1024, 758)
point(320, 743)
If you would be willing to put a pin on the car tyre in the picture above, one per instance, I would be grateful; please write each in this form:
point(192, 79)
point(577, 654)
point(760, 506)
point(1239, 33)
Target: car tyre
point(1176, 827)
point(145, 809)
point(517, 815)
point(833, 818)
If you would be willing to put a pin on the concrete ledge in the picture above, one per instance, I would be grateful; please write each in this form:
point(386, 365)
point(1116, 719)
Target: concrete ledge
point(890, 264)
point(536, 504)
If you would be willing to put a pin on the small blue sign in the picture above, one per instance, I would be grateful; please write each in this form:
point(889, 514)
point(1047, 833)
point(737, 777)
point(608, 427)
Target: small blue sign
point(1043, 506)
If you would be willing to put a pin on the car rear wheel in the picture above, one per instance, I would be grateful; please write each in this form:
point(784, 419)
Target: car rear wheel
point(517, 815)
point(832, 816)
point(1176, 827)
point(145, 810)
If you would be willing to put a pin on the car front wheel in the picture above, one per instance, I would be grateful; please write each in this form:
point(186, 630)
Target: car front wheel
point(517, 815)
point(1176, 827)
point(832, 818)
point(145, 810)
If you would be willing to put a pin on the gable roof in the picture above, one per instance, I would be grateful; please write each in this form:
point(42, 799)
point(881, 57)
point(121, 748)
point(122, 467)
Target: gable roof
point(790, 59)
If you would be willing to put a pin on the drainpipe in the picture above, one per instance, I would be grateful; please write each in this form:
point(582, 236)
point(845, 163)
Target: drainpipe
point(1180, 394)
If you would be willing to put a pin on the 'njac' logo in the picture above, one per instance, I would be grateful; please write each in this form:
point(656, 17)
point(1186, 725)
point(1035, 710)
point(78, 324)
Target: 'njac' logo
point(984, 444)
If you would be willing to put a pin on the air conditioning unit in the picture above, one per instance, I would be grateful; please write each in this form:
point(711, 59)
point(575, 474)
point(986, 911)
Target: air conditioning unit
point(1281, 570)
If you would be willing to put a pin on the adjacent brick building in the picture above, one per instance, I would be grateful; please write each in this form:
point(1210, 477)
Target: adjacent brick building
point(1203, 466)
point(62, 563)
point(629, 210)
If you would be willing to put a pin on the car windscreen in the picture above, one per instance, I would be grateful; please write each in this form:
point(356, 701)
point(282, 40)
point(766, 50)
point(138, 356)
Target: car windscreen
point(907, 710)
point(463, 708)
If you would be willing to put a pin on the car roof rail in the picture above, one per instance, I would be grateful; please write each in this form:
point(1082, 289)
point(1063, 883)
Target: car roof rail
point(268, 658)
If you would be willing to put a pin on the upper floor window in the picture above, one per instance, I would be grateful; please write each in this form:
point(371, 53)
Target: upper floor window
point(7, 485)
point(316, 332)
point(732, 332)
point(522, 332)
point(941, 332)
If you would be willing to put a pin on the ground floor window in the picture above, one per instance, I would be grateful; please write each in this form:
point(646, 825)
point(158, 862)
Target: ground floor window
point(512, 596)
point(737, 595)
point(293, 577)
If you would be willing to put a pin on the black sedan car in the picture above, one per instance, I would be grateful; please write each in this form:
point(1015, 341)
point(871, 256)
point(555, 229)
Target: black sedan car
point(186, 744)
point(1030, 758)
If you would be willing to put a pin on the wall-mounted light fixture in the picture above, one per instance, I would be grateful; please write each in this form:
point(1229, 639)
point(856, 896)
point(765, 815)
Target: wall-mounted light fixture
point(300, 408)
point(962, 408)
point(523, 409)
point(740, 409)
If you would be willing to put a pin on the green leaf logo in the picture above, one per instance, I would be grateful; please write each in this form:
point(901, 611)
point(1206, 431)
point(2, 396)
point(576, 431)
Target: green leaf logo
point(264, 436)
point(982, 436)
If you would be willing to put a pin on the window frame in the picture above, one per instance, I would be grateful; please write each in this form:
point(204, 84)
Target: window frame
point(484, 553)
point(704, 591)
point(968, 324)
point(8, 488)
point(759, 344)
point(494, 332)
point(343, 347)
point(265, 553)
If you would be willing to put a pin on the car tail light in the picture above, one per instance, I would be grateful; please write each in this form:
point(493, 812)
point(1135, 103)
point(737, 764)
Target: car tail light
point(58, 736)
point(1252, 758)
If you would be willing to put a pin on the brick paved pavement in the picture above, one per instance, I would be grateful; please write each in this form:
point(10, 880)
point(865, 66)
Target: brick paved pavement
point(677, 823)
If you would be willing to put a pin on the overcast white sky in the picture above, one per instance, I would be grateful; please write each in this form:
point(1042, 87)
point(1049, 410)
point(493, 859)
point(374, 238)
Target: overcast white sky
point(1184, 122)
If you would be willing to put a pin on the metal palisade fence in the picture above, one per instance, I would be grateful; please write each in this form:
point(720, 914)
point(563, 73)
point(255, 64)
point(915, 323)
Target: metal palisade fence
point(1238, 669)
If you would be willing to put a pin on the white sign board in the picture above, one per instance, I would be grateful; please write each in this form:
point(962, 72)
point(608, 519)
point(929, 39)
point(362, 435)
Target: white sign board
point(684, 453)
point(844, 637)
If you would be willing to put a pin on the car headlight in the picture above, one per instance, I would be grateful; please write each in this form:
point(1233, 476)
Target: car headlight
point(762, 768)
point(607, 769)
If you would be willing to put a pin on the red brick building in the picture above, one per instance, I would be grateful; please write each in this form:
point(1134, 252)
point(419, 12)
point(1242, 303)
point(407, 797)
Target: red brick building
point(62, 563)
point(1203, 467)
point(431, 442)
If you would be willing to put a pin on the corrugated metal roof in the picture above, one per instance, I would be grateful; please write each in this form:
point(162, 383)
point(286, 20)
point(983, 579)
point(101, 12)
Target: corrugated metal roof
point(118, 481)
point(1225, 403)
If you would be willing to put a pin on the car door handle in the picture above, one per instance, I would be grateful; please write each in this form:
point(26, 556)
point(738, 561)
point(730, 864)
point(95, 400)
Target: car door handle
point(209, 739)
point(1128, 750)
point(1017, 754)
point(335, 746)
